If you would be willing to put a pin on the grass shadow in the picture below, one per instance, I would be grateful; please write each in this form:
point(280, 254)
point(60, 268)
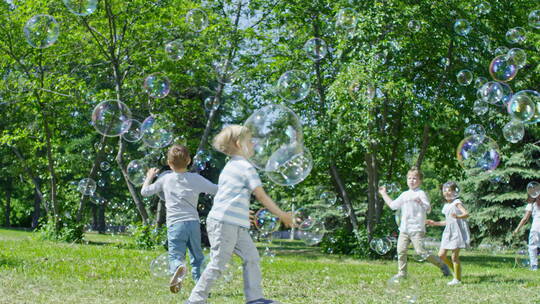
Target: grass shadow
point(493, 278)
point(9, 262)
point(487, 260)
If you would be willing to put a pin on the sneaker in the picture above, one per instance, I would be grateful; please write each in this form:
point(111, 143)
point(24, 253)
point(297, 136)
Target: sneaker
point(398, 277)
point(263, 301)
point(454, 282)
point(445, 270)
point(176, 279)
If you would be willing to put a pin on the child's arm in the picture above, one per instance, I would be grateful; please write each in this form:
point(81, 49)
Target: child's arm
point(387, 199)
point(207, 186)
point(433, 223)
point(148, 189)
point(523, 221)
point(464, 212)
point(268, 203)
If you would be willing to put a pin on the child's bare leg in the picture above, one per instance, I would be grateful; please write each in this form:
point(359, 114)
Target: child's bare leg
point(442, 256)
point(457, 264)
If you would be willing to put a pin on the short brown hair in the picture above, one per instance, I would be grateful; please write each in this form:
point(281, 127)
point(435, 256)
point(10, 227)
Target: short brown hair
point(417, 171)
point(226, 140)
point(178, 156)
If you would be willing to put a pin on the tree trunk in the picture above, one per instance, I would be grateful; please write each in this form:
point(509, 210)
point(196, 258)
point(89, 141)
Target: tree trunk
point(160, 214)
point(8, 205)
point(36, 181)
point(425, 144)
point(37, 210)
point(374, 205)
point(343, 193)
point(94, 218)
point(101, 225)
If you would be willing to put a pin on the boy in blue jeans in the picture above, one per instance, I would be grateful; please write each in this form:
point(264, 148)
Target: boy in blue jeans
point(181, 190)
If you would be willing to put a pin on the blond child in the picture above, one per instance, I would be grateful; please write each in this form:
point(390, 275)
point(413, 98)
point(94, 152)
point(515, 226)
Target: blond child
point(181, 190)
point(228, 221)
point(414, 205)
point(456, 233)
point(533, 208)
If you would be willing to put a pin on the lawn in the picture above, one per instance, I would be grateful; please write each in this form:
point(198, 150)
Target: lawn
point(103, 271)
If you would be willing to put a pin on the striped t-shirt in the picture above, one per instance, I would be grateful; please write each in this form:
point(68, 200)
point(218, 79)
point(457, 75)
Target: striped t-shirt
point(236, 183)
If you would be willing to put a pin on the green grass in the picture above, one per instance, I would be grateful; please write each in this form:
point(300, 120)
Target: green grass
point(33, 271)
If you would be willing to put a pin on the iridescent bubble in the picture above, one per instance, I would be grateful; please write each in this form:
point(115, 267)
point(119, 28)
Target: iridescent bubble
point(159, 267)
point(133, 134)
point(272, 128)
point(513, 131)
point(464, 77)
point(359, 92)
point(507, 93)
point(86, 186)
point(201, 159)
point(380, 245)
point(480, 107)
point(157, 85)
point(502, 68)
point(501, 51)
point(483, 8)
point(445, 62)
point(136, 171)
point(115, 175)
point(479, 82)
point(175, 49)
point(81, 7)
point(533, 189)
point(522, 258)
point(266, 222)
point(306, 218)
point(316, 49)
point(414, 26)
point(534, 19)
point(491, 92)
point(156, 132)
point(328, 197)
point(314, 235)
point(515, 35)
point(104, 166)
point(476, 131)
point(226, 71)
point(451, 190)
point(293, 85)
point(346, 18)
point(289, 165)
point(210, 103)
point(462, 27)
point(197, 20)
point(522, 105)
point(111, 118)
point(518, 56)
point(101, 183)
point(483, 156)
point(41, 31)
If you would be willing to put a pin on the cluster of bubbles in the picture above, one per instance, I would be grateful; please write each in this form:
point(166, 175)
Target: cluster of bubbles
point(533, 189)
point(382, 245)
point(310, 225)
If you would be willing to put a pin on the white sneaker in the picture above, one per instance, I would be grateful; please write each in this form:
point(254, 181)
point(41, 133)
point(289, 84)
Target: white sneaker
point(454, 282)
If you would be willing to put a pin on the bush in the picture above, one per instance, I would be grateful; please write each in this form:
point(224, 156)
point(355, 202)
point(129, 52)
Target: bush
point(150, 236)
point(70, 231)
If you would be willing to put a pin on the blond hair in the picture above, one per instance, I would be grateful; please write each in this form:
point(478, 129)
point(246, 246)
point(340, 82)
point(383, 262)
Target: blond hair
point(225, 141)
point(178, 156)
point(417, 171)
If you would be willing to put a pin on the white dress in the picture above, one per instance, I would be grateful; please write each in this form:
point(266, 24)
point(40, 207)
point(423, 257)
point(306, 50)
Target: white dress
point(456, 232)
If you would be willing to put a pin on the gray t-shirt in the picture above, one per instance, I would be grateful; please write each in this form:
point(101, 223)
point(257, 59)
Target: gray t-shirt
point(181, 191)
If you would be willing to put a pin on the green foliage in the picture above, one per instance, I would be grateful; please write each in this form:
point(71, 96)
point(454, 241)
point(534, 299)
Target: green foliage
point(149, 237)
point(70, 231)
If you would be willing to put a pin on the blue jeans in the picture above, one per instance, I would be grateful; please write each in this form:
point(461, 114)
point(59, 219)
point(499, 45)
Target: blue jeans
point(181, 235)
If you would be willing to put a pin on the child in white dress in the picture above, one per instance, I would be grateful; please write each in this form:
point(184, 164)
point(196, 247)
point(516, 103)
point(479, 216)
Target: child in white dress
point(532, 209)
point(456, 233)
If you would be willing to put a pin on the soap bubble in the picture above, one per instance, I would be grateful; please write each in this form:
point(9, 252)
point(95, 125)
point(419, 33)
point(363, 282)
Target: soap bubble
point(314, 235)
point(507, 93)
point(81, 7)
point(359, 92)
point(473, 154)
point(513, 131)
point(201, 158)
point(226, 71)
point(289, 165)
point(156, 132)
point(111, 118)
point(476, 131)
point(136, 171)
point(501, 51)
point(462, 27)
point(464, 77)
point(480, 107)
point(346, 18)
point(533, 189)
point(515, 35)
point(157, 85)
point(479, 82)
point(266, 222)
point(159, 267)
point(534, 19)
point(491, 92)
point(41, 31)
point(328, 197)
point(380, 245)
point(522, 258)
point(293, 85)
point(104, 166)
point(210, 103)
point(414, 26)
point(175, 49)
point(316, 49)
point(453, 191)
point(272, 128)
point(502, 68)
point(86, 186)
point(518, 56)
point(133, 134)
point(307, 217)
point(483, 8)
point(522, 105)
point(197, 20)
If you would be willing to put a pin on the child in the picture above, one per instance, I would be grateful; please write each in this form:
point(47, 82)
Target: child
point(456, 233)
point(533, 208)
point(228, 221)
point(414, 205)
point(181, 190)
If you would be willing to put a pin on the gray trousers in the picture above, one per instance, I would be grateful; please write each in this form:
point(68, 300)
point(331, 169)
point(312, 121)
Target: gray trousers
point(417, 239)
point(534, 243)
point(226, 239)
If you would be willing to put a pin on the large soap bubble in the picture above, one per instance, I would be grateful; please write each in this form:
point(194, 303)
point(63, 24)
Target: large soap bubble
point(175, 49)
point(533, 189)
point(272, 128)
point(462, 27)
point(86, 186)
point(41, 31)
point(479, 82)
point(491, 92)
point(328, 197)
point(507, 93)
point(346, 18)
point(133, 134)
point(293, 85)
point(502, 68)
point(534, 19)
point(518, 56)
point(316, 49)
point(266, 222)
point(197, 20)
point(111, 118)
point(513, 131)
point(464, 77)
point(136, 171)
point(473, 154)
point(289, 165)
point(156, 132)
point(522, 105)
point(480, 107)
point(157, 85)
point(476, 131)
point(535, 96)
point(81, 7)
point(314, 235)
point(515, 35)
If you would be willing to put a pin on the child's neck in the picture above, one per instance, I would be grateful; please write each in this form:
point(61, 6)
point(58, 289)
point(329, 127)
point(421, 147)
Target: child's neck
point(179, 170)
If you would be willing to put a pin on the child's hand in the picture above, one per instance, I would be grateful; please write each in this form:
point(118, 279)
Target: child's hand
point(454, 215)
point(287, 220)
point(382, 190)
point(152, 172)
point(430, 222)
point(418, 201)
point(252, 219)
